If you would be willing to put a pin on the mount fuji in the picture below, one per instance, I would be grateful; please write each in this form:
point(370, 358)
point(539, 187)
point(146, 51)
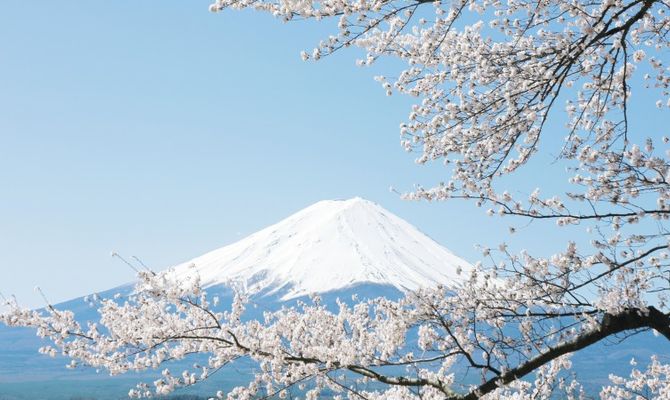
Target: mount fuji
point(329, 246)
point(334, 248)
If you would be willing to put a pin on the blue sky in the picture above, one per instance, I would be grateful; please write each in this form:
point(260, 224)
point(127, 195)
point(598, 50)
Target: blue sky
point(160, 130)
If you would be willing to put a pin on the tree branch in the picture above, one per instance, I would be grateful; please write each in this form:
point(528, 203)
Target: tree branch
point(611, 324)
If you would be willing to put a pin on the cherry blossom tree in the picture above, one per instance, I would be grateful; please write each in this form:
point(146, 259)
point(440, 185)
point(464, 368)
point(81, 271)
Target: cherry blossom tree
point(487, 75)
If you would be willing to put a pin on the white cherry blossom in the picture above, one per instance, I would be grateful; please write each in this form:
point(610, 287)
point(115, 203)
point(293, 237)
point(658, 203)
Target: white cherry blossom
point(485, 77)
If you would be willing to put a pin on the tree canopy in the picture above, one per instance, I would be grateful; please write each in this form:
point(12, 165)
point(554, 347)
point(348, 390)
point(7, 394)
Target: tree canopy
point(487, 75)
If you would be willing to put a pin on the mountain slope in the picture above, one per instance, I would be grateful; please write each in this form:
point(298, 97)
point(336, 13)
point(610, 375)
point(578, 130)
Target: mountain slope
point(327, 246)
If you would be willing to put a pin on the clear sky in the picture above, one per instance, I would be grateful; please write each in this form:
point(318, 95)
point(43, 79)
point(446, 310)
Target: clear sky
point(160, 130)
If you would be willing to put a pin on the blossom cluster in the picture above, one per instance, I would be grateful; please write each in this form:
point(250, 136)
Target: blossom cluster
point(412, 348)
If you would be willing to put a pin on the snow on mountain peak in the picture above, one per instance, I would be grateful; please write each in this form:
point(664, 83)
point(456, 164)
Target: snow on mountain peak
point(332, 244)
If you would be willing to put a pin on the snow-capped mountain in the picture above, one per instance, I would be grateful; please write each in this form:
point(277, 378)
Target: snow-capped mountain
point(328, 246)
point(336, 248)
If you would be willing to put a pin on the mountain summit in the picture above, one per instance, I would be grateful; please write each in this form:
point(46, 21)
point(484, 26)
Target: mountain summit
point(330, 245)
